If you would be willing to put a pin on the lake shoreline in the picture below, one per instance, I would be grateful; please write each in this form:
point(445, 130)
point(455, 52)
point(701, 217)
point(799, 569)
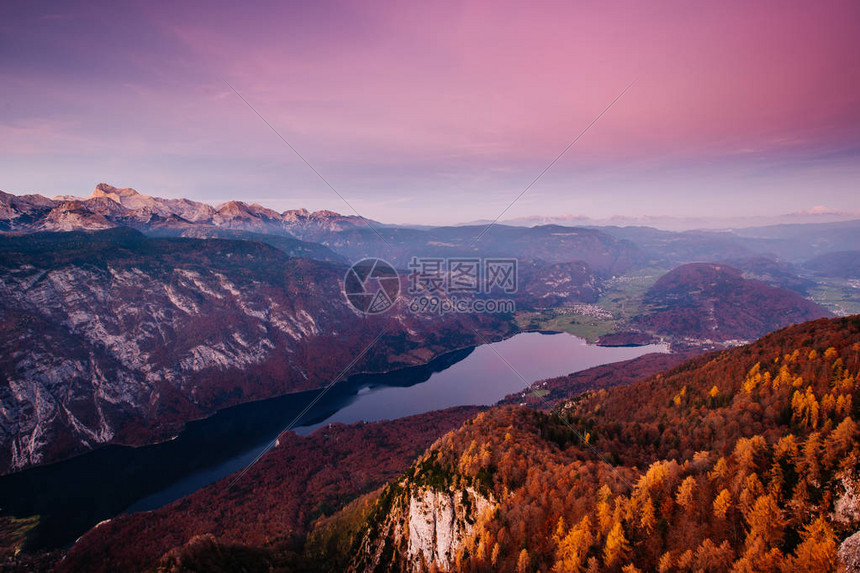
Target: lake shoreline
point(75, 494)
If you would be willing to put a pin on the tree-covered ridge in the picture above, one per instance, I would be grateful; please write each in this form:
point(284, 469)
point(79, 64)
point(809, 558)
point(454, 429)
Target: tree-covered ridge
point(743, 460)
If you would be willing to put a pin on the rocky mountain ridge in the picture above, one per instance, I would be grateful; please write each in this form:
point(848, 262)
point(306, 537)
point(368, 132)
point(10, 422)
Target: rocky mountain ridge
point(110, 206)
point(350, 236)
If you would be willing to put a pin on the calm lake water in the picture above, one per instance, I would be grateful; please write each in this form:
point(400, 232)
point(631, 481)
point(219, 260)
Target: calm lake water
point(74, 495)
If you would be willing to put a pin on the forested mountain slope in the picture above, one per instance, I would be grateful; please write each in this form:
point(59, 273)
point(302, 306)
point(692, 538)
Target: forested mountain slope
point(743, 460)
point(272, 506)
point(740, 460)
point(715, 301)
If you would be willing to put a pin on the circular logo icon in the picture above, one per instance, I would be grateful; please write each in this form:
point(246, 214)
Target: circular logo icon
point(371, 286)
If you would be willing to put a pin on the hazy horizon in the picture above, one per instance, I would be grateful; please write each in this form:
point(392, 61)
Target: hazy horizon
point(818, 214)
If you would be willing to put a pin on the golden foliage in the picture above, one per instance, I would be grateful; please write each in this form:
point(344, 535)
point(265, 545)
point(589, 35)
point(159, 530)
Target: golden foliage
point(818, 551)
point(573, 548)
point(722, 504)
point(617, 547)
point(684, 497)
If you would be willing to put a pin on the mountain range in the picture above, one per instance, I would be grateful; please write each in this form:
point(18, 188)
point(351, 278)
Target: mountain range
point(817, 214)
point(607, 249)
point(109, 207)
point(124, 315)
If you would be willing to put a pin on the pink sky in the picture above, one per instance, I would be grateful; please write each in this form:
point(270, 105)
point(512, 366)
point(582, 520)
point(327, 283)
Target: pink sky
point(439, 112)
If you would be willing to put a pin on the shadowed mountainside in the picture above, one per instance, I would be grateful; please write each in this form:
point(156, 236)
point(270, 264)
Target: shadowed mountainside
point(276, 501)
point(113, 337)
point(842, 264)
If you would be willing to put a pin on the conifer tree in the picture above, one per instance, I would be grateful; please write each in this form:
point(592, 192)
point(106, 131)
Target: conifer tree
point(617, 547)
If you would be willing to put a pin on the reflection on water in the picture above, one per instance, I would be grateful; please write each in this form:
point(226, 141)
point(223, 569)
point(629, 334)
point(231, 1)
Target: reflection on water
point(74, 495)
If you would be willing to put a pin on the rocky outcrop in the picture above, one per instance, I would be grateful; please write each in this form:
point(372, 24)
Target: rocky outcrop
point(438, 524)
point(846, 508)
point(421, 527)
point(849, 553)
point(846, 512)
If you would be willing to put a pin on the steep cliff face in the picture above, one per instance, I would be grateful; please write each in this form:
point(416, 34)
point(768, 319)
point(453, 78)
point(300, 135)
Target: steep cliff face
point(114, 337)
point(846, 512)
point(849, 553)
point(439, 522)
point(426, 526)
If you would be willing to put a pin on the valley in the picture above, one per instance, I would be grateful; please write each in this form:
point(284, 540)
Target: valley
point(144, 331)
point(137, 479)
point(593, 483)
point(429, 287)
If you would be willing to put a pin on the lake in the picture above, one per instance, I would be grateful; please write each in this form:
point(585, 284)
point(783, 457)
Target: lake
point(73, 495)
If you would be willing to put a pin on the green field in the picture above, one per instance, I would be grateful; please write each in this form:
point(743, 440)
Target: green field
point(563, 320)
point(622, 295)
point(620, 300)
point(840, 297)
